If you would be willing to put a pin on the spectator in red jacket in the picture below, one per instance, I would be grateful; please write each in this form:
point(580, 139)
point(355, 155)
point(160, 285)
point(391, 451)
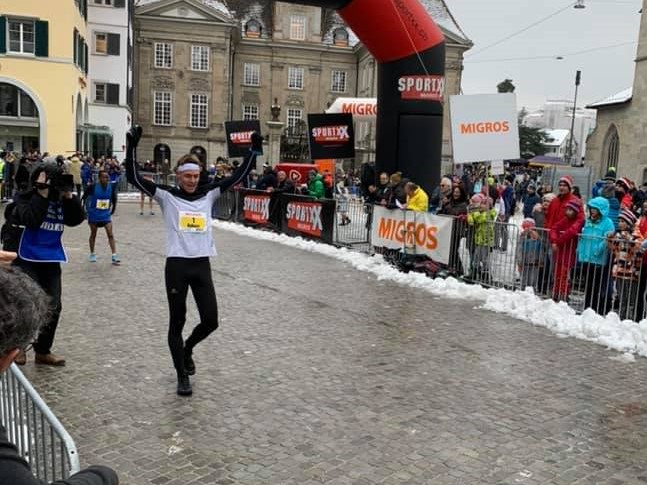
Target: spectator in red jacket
point(557, 208)
point(563, 239)
point(623, 193)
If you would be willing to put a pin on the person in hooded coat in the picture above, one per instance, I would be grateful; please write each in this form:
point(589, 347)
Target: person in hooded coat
point(593, 254)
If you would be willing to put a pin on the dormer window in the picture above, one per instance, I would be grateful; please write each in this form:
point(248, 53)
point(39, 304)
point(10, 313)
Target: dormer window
point(340, 37)
point(253, 29)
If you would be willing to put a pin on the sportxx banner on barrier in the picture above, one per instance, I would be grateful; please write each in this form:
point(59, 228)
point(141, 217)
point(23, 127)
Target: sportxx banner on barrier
point(421, 232)
point(308, 217)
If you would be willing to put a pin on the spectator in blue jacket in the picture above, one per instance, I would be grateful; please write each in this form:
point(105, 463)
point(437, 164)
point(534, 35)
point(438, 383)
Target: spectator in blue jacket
point(610, 177)
point(592, 254)
point(609, 193)
point(530, 200)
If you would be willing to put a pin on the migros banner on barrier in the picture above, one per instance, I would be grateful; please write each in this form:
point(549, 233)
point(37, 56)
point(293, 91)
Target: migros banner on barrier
point(428, 234)
point(484, 127)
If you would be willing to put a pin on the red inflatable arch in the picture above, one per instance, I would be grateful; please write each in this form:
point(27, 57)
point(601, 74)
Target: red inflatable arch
point(410, 50)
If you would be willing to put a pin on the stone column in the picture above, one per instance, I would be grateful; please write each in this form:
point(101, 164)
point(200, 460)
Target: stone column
point(273, 153)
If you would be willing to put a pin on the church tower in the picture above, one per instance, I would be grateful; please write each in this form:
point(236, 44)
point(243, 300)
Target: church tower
point(640, 79)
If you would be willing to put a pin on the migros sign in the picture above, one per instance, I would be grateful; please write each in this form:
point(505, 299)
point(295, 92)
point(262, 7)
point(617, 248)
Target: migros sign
point(485, 127)
point(409, 233)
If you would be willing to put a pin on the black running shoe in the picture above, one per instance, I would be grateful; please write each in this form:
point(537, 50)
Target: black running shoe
point(189, 365)
point(184, 385)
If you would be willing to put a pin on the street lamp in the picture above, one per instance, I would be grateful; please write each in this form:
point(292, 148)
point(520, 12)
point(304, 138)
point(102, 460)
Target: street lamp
point(578, 79)
point(276, 110)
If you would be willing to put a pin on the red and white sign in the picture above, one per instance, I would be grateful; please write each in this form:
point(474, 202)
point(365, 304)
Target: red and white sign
point(331, 134)
point(305, 217)
point(358, 107)
point(256, 208)
point(484, 127)
point(241, 137)
point(424, 88)
point(423, 232)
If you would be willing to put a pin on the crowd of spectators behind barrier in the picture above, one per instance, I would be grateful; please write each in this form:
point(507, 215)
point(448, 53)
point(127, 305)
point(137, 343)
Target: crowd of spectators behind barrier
point(600, 240)
point(604, 238)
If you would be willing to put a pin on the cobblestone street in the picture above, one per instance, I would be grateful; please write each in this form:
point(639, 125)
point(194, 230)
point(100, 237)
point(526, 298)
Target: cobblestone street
point(322, 374)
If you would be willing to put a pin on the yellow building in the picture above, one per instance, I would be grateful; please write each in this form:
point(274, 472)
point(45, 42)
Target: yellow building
point(43, 75)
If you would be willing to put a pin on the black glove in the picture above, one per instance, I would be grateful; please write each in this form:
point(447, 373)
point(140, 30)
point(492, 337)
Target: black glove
point(132, 140)
point(257, 142)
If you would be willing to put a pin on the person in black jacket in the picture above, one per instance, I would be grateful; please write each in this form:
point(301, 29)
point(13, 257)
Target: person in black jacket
point(24, 306)
point(42, 212)
point(284, 185)
point(268, 179)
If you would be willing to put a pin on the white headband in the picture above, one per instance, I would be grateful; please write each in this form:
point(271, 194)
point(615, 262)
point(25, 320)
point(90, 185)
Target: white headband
point(187, 167)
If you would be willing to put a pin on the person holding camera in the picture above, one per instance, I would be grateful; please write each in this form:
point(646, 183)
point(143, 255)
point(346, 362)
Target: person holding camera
point(186, 210)
point(35, 230)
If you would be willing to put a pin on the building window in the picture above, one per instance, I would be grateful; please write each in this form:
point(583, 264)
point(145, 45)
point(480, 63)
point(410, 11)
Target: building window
point(338, 82)
point(100, 94)
point(16, 103)
point(199, 58)
point(106, 93)
point(80, 49)
point(199, 111)
point(295, 78)
point(163, 55)
point(253, 29)
point(613, 148)
point(21, 36)
point(108, 44)
point(101, 43)
point(294, 117)
point(162, 109)
point(252, 75)
point(250, 112)
point(340, 37)
point(297, 27)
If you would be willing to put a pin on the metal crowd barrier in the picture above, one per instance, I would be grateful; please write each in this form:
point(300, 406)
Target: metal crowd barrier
point(39, 436)
point(353, 223)
point(499, 254)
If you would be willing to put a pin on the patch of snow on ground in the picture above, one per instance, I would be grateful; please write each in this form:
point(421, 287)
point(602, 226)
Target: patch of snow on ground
point(624, 336)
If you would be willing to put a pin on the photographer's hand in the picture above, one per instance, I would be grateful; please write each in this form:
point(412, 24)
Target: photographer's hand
point(42, 185)
point(7, 257)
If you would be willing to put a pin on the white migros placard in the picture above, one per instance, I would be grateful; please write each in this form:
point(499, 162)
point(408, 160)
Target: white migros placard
point(421, 232)
point(497, 167)
point(484, 127)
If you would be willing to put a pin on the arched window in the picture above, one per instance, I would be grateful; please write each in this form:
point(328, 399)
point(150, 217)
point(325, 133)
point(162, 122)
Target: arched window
point(200, 152)
point(16, 103)
point(253, 29)
point(340, 37)
point(612, 148)
point(161, 152)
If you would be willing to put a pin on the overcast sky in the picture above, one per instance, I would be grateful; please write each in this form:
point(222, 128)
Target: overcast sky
point(602, 23)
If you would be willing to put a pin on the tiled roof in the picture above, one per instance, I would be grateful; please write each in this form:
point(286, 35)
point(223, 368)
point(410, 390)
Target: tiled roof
point(618, 98)
point(215, 4)
point(443, 17)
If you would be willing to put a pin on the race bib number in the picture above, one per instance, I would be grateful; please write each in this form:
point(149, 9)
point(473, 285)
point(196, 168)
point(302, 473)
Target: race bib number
point(193, 222)
point(103, 204)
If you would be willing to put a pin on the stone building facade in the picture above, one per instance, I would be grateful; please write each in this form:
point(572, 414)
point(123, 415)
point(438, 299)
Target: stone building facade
point(262, 54)
point(619, 139)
